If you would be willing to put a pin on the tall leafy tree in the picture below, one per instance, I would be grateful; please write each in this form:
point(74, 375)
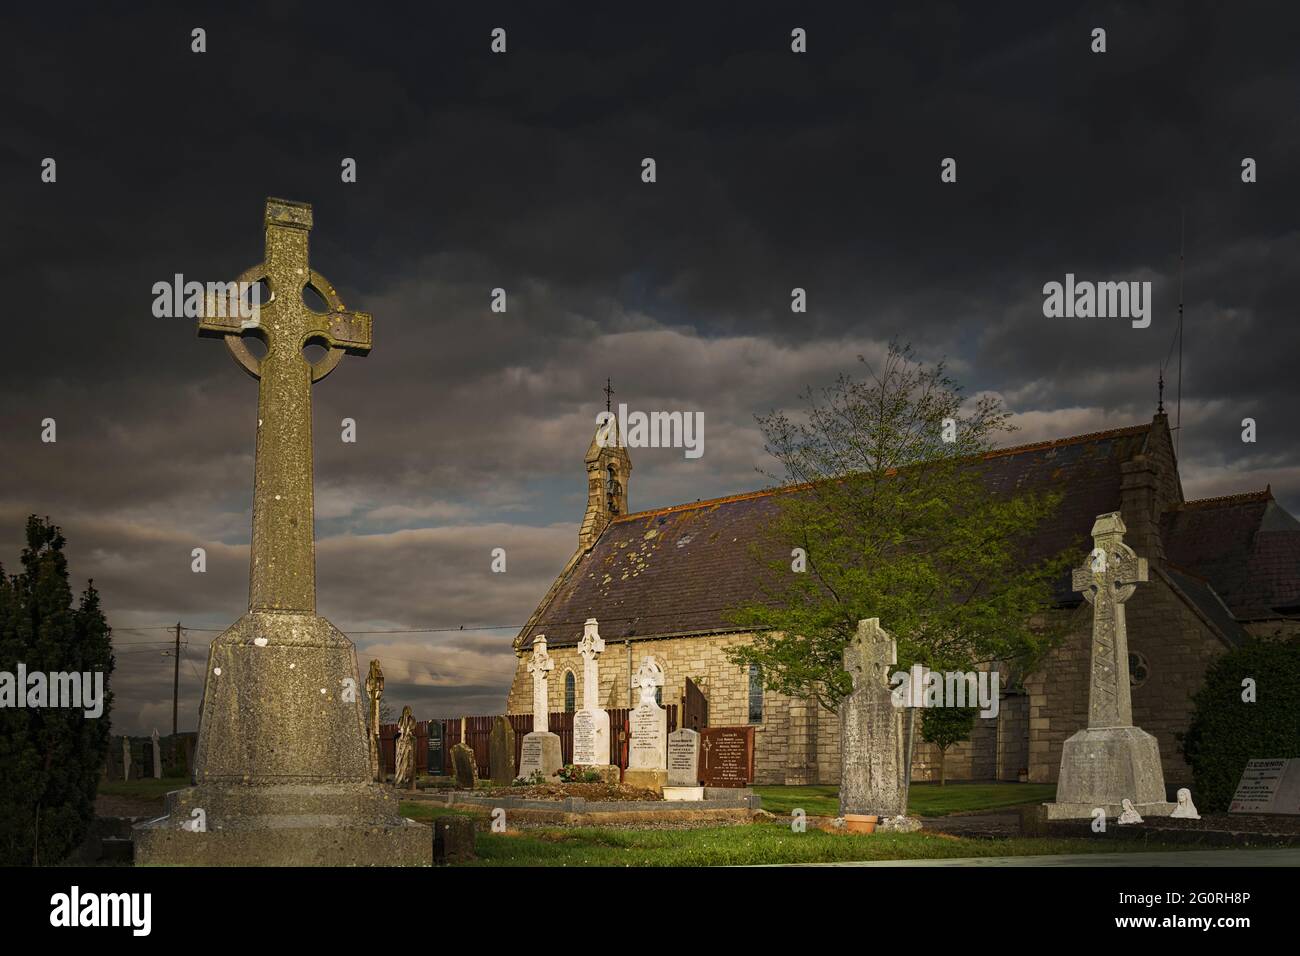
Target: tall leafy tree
point(51, 756)
point(879, 485)
point(944, 727)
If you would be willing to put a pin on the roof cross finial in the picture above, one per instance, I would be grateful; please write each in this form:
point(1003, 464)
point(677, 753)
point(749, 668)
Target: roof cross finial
point(609, 392)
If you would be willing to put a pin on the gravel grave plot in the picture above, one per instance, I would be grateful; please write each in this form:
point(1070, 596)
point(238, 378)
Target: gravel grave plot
point(594, 792)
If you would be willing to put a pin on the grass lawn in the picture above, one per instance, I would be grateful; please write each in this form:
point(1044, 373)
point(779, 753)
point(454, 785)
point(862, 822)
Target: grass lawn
point(146, 789)
point(924, 799)
point(755, 843)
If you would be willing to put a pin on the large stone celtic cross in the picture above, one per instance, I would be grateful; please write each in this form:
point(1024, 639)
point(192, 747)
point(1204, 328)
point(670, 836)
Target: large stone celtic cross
point(282, 573)
point(1107, 580)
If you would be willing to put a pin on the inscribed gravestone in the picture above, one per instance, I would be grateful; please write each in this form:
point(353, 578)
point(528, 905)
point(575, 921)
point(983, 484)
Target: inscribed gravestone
point(1268, 786)
point(591, 723)
point(648, 749)
point(727, 756)
point(683, 758)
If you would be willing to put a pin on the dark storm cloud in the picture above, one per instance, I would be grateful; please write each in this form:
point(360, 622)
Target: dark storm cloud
point(522, 172)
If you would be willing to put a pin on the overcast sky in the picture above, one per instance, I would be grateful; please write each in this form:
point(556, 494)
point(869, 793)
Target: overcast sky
point(523, 171)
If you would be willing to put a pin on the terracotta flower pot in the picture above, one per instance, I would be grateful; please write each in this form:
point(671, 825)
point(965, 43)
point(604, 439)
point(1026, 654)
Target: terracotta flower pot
point(860, 822)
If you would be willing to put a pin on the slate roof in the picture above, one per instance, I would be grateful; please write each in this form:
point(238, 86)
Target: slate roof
point(676, 571)
point(1246, 545)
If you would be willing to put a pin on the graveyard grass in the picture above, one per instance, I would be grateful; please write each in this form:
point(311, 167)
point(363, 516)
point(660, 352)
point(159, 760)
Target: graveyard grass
point(756, 844)
point(924, 799)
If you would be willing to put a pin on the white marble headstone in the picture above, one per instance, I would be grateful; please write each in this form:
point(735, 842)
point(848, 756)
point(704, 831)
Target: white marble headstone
point(648, 748)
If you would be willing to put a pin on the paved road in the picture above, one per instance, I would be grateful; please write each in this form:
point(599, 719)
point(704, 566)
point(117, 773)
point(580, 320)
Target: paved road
point(1289, 856)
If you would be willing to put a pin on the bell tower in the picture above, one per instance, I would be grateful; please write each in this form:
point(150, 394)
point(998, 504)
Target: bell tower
point(608, 470)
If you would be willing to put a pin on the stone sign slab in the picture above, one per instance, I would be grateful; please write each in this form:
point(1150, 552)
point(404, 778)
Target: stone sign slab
point(1268, 786)
point(683, 758)
point(727, 756)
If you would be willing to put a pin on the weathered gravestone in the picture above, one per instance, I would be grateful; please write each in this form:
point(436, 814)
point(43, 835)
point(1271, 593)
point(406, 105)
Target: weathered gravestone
point(1268, 786)
point(501, 752)
point(126, 758)
point(375, 694)
point(540, 751)
point(157, 755)
point(466, 766)
point(282, 770)
point(647, 756)
point(683, 766)
point(1110, 760)
point(873, 762)
point(404, 751)
point(591, 723)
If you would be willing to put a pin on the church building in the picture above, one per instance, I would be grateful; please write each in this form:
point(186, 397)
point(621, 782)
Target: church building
point(661, 582)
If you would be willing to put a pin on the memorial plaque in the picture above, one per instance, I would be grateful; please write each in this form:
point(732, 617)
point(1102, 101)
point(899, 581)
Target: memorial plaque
point(727, 756)
point(1268, 786)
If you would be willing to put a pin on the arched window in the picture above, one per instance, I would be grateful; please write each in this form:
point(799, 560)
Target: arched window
point(755, 694)
point(569, 692)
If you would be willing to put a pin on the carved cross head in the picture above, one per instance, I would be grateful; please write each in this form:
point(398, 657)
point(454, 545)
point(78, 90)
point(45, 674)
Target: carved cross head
point(649, 676)
point(592, 643)
point(870, 653)
point(1112, 565)
point(541, 661)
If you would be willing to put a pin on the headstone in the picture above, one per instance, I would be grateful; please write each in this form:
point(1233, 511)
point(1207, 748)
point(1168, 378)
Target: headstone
point(1110, 760)
point(727, 756)
point(126, 758)
point(404, 775)
point(591, 723)
point(157, 756)
point(1185, 810)
point(281, 726)
point(375, 694)
point(872, 755)
point(649, 722)
point(501, 752)
point(540, 751)
point(684, 758)
point(1268, 786)
point(462, 757)
point(647, 752)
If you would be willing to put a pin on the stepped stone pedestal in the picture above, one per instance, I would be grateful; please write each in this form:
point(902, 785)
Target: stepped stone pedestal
point(1110, 760)
point(282, 764)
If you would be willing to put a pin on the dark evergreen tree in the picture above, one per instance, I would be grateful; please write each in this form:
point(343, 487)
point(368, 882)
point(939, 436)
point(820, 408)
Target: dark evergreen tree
point(50, 757)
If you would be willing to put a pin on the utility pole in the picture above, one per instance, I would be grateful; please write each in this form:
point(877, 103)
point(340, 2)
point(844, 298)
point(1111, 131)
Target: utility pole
point(176, 677)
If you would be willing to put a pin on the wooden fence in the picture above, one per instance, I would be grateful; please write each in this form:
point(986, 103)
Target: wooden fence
point(478, 730)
